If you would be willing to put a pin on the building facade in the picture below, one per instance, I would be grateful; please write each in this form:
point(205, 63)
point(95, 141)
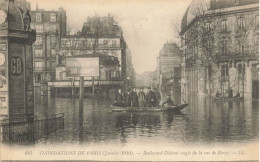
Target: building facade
point(50, 26)
point(168, 69)
point(220, 48)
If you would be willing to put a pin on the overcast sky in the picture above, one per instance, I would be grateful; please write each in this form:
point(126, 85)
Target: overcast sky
point(146, 24)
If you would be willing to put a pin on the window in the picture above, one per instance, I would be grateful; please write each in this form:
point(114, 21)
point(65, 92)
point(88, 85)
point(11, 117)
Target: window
point(224, 70)
point(241, 68)
point(38, 65)
point(241, 23)
point(39, 28)
point(38, 78)
point(74, 71)
point(38, 17)
point(241, 49)
point(53, 28)
point(208, 26)
point(114, 43)
point(256, 44)
point(53, 52)
point(105, 42)
point(224, 47)
point(53, 17)
point(224, 25)
point(257, 21)
point(53, 39)
point(38, 40)
point(237, 1)
point(38, 53)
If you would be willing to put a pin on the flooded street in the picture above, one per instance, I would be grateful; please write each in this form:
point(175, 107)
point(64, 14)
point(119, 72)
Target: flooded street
point(200, 122)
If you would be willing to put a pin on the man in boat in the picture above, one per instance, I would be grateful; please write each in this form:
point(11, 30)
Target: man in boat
point(158, 97)
point(141, 97)
point(150, 98)
point(119, 99)
point(134, 98)
point(230, 92)
point(168, 101)
point(237, 95)
point(127, 98)
point(218, 94)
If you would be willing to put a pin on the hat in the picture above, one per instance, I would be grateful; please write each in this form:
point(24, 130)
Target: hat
point(155, 88)
point(149, 88)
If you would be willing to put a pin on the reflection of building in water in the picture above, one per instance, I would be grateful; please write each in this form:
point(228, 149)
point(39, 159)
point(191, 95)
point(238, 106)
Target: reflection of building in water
point(221, 54)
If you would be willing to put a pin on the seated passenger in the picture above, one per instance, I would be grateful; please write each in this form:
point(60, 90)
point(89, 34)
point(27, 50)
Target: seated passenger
point(168, 101)
point(218, 94)
point(237, 95)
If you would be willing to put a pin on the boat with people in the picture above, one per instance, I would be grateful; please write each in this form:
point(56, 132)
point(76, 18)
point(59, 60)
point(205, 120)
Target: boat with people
point(177, 108)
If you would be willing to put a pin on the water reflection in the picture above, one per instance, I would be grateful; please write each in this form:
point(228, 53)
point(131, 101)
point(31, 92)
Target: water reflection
point(203, 121)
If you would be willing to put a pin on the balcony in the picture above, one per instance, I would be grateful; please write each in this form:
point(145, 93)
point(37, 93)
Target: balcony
point(238, 57)
point(42, 69)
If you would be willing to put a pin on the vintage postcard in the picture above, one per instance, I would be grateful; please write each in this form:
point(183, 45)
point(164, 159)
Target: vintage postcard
point(129, 80)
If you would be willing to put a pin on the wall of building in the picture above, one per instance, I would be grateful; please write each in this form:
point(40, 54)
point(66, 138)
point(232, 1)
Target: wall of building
point(50, 26)
point(235, 43)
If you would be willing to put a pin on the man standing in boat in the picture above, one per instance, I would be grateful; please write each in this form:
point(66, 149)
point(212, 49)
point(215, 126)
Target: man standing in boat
point(134, 98)
point(168, 101)
point(141, 97)
point(158, 97)
point(119, 99)
point(150, 98)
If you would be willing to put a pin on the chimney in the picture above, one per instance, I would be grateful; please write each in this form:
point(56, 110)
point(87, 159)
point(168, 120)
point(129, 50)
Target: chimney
point(36, 5)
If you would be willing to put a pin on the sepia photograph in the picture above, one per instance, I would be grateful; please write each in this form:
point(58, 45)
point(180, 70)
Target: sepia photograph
point(129, 80)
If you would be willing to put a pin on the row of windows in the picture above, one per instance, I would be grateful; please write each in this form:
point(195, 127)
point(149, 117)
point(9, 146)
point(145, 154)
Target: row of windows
point(39, 40)
point(241, 25)
point(41, 29)
point(39, 53)
point(224, 47)
point(39, 17)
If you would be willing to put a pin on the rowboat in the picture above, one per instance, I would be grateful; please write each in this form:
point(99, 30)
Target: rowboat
point(149, 109)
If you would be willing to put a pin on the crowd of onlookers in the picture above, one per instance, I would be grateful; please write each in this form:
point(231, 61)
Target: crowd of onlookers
point(138, 97)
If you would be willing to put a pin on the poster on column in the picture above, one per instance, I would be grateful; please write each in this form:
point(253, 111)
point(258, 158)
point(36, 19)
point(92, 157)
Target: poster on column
point(16, 80)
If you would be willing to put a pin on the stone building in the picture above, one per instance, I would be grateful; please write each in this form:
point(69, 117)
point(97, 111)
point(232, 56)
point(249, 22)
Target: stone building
point(220, 47)
point(50, 26)
point(168, 69)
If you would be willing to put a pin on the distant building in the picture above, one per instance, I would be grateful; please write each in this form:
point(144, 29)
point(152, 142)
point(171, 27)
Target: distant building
point(50, 26)
point(220, 47)
point(168, 69)
point(100, 36)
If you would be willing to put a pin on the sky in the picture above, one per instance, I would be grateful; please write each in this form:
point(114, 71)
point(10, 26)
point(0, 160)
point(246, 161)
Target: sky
point(146, 24)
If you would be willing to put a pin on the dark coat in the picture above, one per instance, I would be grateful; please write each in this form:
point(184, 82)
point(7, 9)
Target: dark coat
point(169, 102)
point(158, 97)
point(134, 98)
point(119, 100)
point(150, 99)
point(128, 99)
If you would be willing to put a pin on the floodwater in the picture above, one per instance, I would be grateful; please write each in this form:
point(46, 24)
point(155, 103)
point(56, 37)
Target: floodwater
point(201, 122)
